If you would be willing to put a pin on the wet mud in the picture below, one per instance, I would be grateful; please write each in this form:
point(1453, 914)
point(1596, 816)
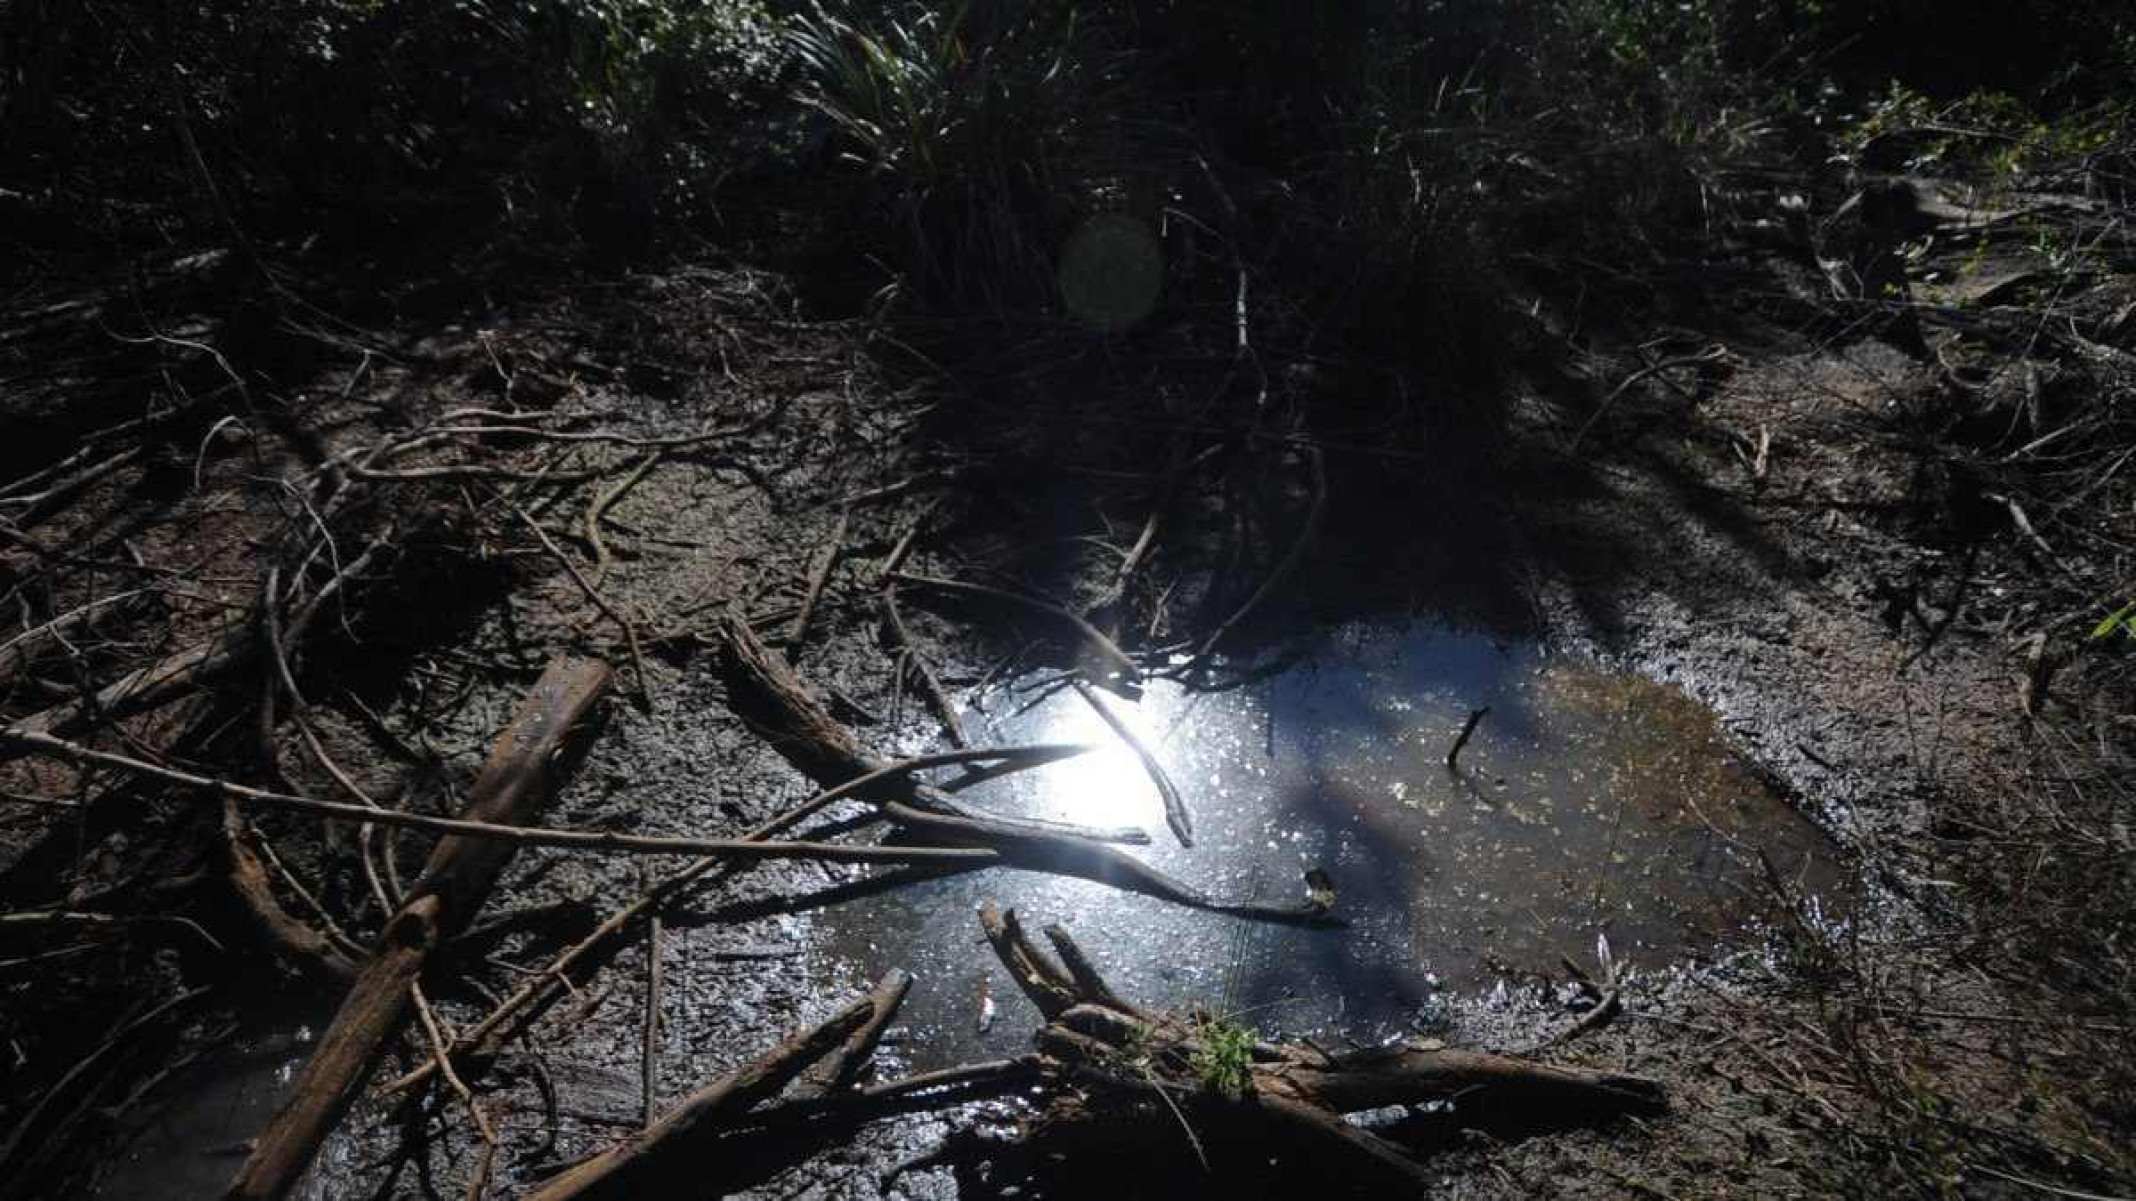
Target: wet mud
point(1642, 777)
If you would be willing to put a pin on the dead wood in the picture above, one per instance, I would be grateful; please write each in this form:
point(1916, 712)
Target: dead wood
point(930, 684)
point(143, 688)
point(642, 1163)
point(492, 832)
point(1047, 984)
point(1175, 805)
point(1045, 852)
point(598, 510)
point(485, 1035)
point(312, 951)
point(649, 1050)
point(1364, 1152)
point(1711, 355)
point(1403, 1076)
point(1088, 982)
point(898, 553)
point(513, 785)
point(609, 437)
point(1115, 659)
point(838, 1070)
point(772, 700)
point(1293, 1090)
point(820, 578)
point(599, 601)
point(17, 1162)
point(924, 1091)
point(781, 709)
point(1316, 461)
point(180, 672)
point(1468, 731)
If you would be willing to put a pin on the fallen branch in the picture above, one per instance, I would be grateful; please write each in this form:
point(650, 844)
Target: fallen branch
point(514, 783)
point(783, 710)
point(677, 442)
point(1084, 974)
point(143, 688)
point(14, 1170)
point(316, 953)
point(598, 510)
point(930, 686)
point(1046, 983)
point(434, 1031)
point(485, 1034)
point(820, 578)
point(895, 1095)
point(1292, 1091)
point(896, 558)
point(649, 1048)
point(641, 1162)
point(1705, 358)
point(774, 702)
point(601, 602)
point(494, 832)
point(148, 687)
point(1175, 806)
point(1327, 1133)
point(842, 1067)
point(73, 917)
point(1468, 730)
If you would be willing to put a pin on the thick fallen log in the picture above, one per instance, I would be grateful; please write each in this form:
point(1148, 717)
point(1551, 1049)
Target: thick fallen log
point(1404, 1076)
point(774, 702)
point(514, 783)
point(1290, 1092)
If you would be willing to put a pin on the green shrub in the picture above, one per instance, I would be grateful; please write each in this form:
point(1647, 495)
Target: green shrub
point(1223, 1057)
point(981, 141)
point(371, 120)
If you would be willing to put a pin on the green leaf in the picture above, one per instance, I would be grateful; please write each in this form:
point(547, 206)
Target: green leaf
point(2118, 619)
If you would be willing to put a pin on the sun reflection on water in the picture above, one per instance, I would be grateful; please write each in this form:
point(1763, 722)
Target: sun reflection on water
point(1587, 803)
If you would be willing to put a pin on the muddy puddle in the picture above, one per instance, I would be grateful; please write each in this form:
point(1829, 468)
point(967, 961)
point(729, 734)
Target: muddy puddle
point(1586, 803)
point(197, 1138)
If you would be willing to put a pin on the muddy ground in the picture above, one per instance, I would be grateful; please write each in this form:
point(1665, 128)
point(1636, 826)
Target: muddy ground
point(1750, 529)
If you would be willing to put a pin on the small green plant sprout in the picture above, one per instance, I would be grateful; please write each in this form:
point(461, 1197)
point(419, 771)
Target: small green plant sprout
point(2122, 620)
point(1223, 1058)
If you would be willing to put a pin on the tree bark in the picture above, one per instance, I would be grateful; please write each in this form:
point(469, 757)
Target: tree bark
point(514, 783)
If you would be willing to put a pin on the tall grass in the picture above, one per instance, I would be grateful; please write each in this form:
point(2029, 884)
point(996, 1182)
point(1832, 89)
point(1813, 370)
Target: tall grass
point(982, 135)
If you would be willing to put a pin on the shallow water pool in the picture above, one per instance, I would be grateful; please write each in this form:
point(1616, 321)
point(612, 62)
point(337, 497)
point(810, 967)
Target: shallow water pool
point(1587, 803)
